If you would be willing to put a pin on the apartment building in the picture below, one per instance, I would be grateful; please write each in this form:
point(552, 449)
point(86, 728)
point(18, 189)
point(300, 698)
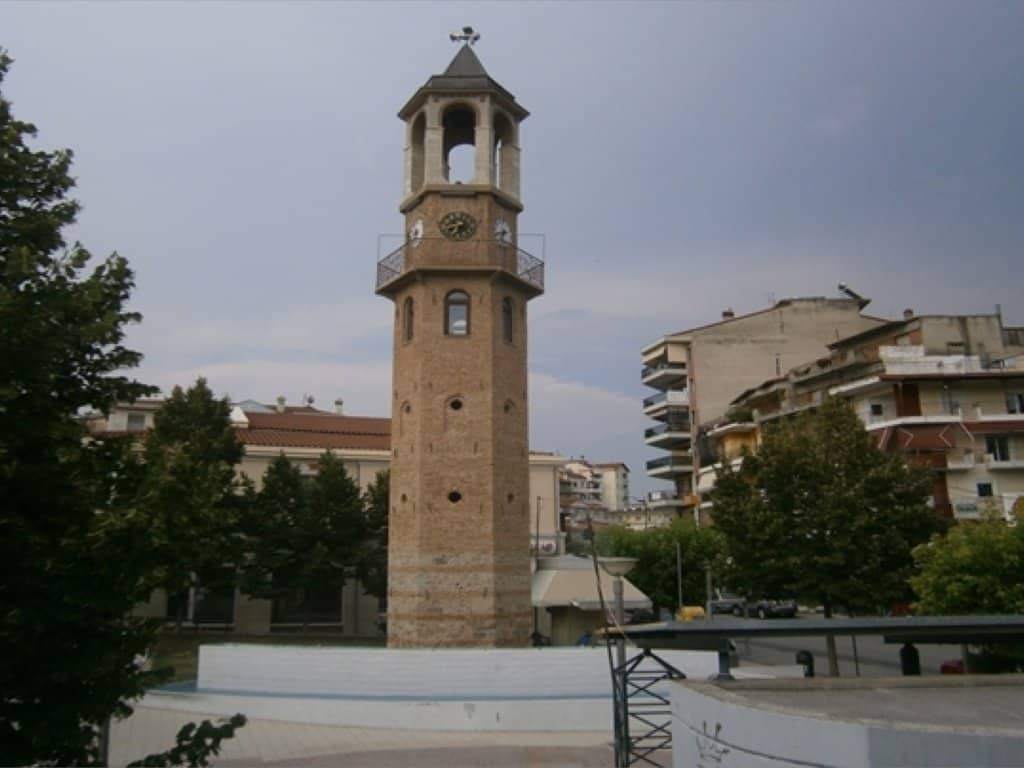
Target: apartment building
point(697, 372)
point(943, 390)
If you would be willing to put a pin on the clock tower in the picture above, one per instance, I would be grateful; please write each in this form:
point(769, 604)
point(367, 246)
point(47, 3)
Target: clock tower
point(459, 549)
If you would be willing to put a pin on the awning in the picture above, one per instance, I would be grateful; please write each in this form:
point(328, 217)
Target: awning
point(577, 588)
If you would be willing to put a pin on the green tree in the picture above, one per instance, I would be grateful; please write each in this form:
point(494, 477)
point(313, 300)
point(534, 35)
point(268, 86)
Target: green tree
point(303, 533)
point(977, 567)
point(655, 549)
point(72, 553)
point(821, 513)
point(372, 567)
point(191, 493)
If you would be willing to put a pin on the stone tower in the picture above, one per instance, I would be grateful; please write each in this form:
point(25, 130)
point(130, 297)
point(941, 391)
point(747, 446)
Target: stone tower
point(458, 557)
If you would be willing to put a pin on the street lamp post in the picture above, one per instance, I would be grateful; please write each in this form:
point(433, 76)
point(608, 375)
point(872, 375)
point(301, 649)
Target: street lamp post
point(617, 567)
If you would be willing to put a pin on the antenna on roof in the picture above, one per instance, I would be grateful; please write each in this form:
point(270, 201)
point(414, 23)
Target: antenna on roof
point(845, 289)
point(467, 36)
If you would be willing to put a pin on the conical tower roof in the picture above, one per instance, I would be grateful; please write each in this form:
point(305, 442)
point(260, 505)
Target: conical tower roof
point(465, 74)
point(465, 64)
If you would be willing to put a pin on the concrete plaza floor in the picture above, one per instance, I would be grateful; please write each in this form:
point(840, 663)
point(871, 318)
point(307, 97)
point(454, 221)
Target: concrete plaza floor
point(300, 745)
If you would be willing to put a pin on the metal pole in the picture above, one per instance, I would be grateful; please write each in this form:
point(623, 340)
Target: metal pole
point(679, 576)
point(707, 592)
point(620, 618)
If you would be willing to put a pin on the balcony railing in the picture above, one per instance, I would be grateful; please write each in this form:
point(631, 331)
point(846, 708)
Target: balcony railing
point(528, 267)
point(675, 461)
point(672, 426)
point(672, 397)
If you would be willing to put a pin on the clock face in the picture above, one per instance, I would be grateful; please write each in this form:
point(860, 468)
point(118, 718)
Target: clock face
point(502, 231)
point(416, 233)
point(457, 225)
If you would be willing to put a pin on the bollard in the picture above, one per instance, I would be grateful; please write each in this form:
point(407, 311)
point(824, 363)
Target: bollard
point(910, 660)
point(806, 658)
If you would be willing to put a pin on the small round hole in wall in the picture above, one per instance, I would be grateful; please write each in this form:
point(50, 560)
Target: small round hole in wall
point(454, 497)
point(511, 497)
point(455, 404)
point(508, 407)
point(403, 497)
point(407, 408)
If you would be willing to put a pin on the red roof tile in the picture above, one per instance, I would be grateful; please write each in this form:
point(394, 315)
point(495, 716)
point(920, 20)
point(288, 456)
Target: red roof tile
point(316, 429)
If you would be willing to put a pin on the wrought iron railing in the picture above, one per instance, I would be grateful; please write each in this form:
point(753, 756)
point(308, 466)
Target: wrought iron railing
point(675, 460)
point(528, 267)
point(391, 266)
point(672, 397)
point(672, 426)
point(649, 369)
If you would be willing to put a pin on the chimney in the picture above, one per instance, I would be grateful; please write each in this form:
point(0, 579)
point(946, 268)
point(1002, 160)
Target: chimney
point(908, 313)
point(339, 406)
point(280, 404)
point(728, 314)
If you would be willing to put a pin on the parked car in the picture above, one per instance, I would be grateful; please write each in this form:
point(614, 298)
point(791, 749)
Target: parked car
point(772, 609)
point(726, 602)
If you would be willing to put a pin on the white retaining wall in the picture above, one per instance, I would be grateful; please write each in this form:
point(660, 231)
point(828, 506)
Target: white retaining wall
point(712, 730)
point(542, 689)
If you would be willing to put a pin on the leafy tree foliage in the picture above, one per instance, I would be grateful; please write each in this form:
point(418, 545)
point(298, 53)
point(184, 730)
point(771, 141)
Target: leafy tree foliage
point(194, 745)
point(190, 494)
point(976, 568)
point(821, 513)
point(373, 558)
point(72, 553)
point(655, 550)
point(303, 533)
point(75, 552)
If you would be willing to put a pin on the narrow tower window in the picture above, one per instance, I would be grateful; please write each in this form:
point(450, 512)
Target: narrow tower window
point(507, 320)
point(456, 314)
point(407, 319)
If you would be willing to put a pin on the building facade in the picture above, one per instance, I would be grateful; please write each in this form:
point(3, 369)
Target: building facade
point(946, 391)
point(697, 372)
point(459, 565)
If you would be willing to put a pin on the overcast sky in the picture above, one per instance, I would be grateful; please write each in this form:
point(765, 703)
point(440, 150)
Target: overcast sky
point(680, 158)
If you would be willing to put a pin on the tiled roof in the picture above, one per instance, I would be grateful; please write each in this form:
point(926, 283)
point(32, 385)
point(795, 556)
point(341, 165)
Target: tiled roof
point(316, 429)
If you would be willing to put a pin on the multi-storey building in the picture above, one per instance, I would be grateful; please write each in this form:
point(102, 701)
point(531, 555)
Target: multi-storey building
point(697, 372)
point(946, 391)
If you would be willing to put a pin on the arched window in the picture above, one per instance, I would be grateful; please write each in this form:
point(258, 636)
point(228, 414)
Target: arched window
point(507, 320)
point(456, 314)
point(407, 319)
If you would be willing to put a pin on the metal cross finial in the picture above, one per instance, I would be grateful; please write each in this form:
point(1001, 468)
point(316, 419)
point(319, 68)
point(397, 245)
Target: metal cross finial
point(467, 35)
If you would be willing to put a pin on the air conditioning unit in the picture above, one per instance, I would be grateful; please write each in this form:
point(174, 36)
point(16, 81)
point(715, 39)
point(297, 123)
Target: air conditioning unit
point(548, 547)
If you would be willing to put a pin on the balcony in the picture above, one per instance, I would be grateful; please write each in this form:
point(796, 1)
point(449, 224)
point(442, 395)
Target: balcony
point(974, 507)
point(658, 500)
point(668, 435)
point(670, 466)
point(999, 463)
point(663, 375)
point(472, 255)
point(960, 463)
point(658, 405)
